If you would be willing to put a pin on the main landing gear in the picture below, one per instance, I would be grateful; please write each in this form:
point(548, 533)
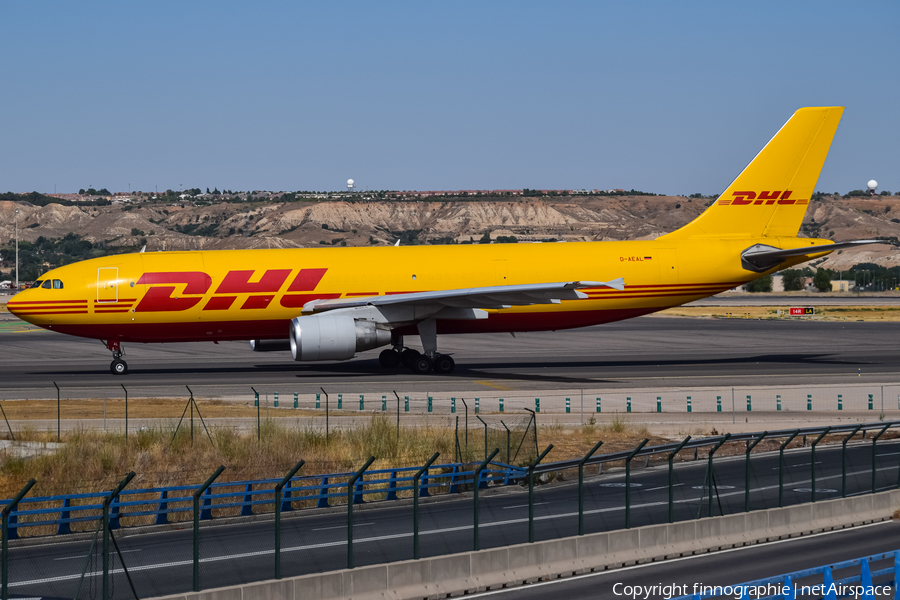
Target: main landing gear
point(117, 366)
point(417, 362)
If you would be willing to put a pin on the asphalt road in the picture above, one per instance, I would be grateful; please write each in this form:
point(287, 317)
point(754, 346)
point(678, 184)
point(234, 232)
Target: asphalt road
point(242, 551)
point(729, 567)
point(643, 352)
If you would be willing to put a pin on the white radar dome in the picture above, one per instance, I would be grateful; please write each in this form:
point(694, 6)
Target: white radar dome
point(349, 182)
point(872, 184)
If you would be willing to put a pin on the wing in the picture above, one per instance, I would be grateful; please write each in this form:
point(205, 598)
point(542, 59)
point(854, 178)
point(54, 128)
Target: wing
point(500, 296)
point(762, 257)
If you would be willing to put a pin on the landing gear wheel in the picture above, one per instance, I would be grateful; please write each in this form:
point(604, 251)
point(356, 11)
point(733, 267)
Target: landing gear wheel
point(409, 356)
point(389, 359)
point(443, 364)
point(118, 367)
point(422, 365)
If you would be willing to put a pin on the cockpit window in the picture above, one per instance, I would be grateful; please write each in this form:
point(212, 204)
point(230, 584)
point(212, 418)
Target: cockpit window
point(57, 284)
point(47, 285)
point(37, 284)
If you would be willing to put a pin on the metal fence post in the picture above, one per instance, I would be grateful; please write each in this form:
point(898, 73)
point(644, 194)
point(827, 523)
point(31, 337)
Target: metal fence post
point(416, 502)
point(327, 406)
point(628, 482)
point(874, 459)
point(258, 418)
point(581, 485)
point(350, 484)
point(278, 492)
point(812, 463)
point(197, 493)
point(671, 486)
point(781, 467)
point(485, 433)
point(106, 504)
point(709, 474)
point(531, 468)
point(507, 440)
point(126, 414)
point(750, 447)
point(57, 412)
point(477, 479)
point(844, 461)
point(4, 560)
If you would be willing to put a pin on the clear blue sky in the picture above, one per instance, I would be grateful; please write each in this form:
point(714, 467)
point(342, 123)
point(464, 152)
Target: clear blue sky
point(666, 97)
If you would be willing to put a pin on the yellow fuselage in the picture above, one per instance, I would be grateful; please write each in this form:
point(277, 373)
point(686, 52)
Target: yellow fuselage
point(253, 294)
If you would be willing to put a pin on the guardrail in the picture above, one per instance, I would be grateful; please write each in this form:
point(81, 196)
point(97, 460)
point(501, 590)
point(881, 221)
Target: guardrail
point(177, 499)
point(786, 587)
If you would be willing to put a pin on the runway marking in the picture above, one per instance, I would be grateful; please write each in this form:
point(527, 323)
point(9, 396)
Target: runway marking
point(380, 538)
point(671, 560)
point(496, 386)
point(342, 526)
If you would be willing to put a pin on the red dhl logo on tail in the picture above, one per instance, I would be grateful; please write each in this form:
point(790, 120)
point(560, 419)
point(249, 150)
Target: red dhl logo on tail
point(195, 284)
point(761, 198)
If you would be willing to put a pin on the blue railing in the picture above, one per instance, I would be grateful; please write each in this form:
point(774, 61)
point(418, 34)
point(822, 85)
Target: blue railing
point(785, 587)
point(68, 508)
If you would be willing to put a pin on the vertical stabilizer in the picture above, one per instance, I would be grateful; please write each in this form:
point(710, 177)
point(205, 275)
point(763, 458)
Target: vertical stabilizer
point(770, 196)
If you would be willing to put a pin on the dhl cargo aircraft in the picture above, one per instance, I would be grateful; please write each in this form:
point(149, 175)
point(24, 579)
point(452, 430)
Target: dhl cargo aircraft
point(329, 304)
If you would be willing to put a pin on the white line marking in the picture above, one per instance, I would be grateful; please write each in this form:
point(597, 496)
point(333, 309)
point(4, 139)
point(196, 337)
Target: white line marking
point(664, 487)
point(524, 505)
point(342, 526)
point(683, 558)
point(82, 555)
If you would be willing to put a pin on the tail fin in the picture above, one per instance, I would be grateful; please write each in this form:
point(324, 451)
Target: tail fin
point(770, 196)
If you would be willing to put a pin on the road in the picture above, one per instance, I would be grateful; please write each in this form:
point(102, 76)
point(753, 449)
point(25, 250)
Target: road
point(313, 540)
point(723, 568)
point(648, 352)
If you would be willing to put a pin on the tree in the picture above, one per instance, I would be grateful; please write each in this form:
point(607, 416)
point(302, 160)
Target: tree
point(792, 279)
point(763, 284)
point(486, 238)
point(822, 280)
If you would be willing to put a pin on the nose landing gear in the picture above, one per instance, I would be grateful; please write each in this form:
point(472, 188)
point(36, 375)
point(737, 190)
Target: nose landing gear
point(117, 366)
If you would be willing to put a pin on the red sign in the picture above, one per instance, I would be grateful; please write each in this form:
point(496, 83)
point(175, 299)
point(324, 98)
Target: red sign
point(799, 312)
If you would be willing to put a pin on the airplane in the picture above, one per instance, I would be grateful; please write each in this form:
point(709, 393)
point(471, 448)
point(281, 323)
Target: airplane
point(328, 304)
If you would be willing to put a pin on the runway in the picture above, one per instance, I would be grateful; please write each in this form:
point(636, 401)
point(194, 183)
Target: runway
point(315, 540)
point(648, 352)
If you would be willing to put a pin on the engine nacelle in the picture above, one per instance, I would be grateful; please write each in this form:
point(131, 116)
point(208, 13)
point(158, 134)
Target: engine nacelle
point(333, 337)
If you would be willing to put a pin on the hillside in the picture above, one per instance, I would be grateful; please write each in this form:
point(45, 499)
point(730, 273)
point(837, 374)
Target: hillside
point(187, 226)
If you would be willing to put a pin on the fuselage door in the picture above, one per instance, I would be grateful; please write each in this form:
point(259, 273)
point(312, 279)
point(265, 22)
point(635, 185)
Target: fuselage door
point(108, 284)
point(668, 265)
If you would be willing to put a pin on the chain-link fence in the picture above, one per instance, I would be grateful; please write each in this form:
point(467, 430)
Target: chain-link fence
point(135, 542)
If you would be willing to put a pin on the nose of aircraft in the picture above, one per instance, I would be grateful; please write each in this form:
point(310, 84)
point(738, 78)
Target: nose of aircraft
point(47, 299)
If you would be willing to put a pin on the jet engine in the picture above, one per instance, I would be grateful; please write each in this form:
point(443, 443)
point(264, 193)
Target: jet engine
point(333, 337)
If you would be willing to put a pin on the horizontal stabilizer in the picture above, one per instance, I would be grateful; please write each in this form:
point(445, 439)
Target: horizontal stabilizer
point(761, 257)
point(499, 296)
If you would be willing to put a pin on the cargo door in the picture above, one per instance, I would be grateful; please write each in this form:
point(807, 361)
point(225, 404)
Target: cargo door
point(107, 284)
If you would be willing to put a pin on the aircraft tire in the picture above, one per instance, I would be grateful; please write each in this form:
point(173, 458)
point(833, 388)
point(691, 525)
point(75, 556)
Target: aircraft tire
point(118, 367)
point(389, 359)
point(422, 365)
point(409, 356)
point(444, 364)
